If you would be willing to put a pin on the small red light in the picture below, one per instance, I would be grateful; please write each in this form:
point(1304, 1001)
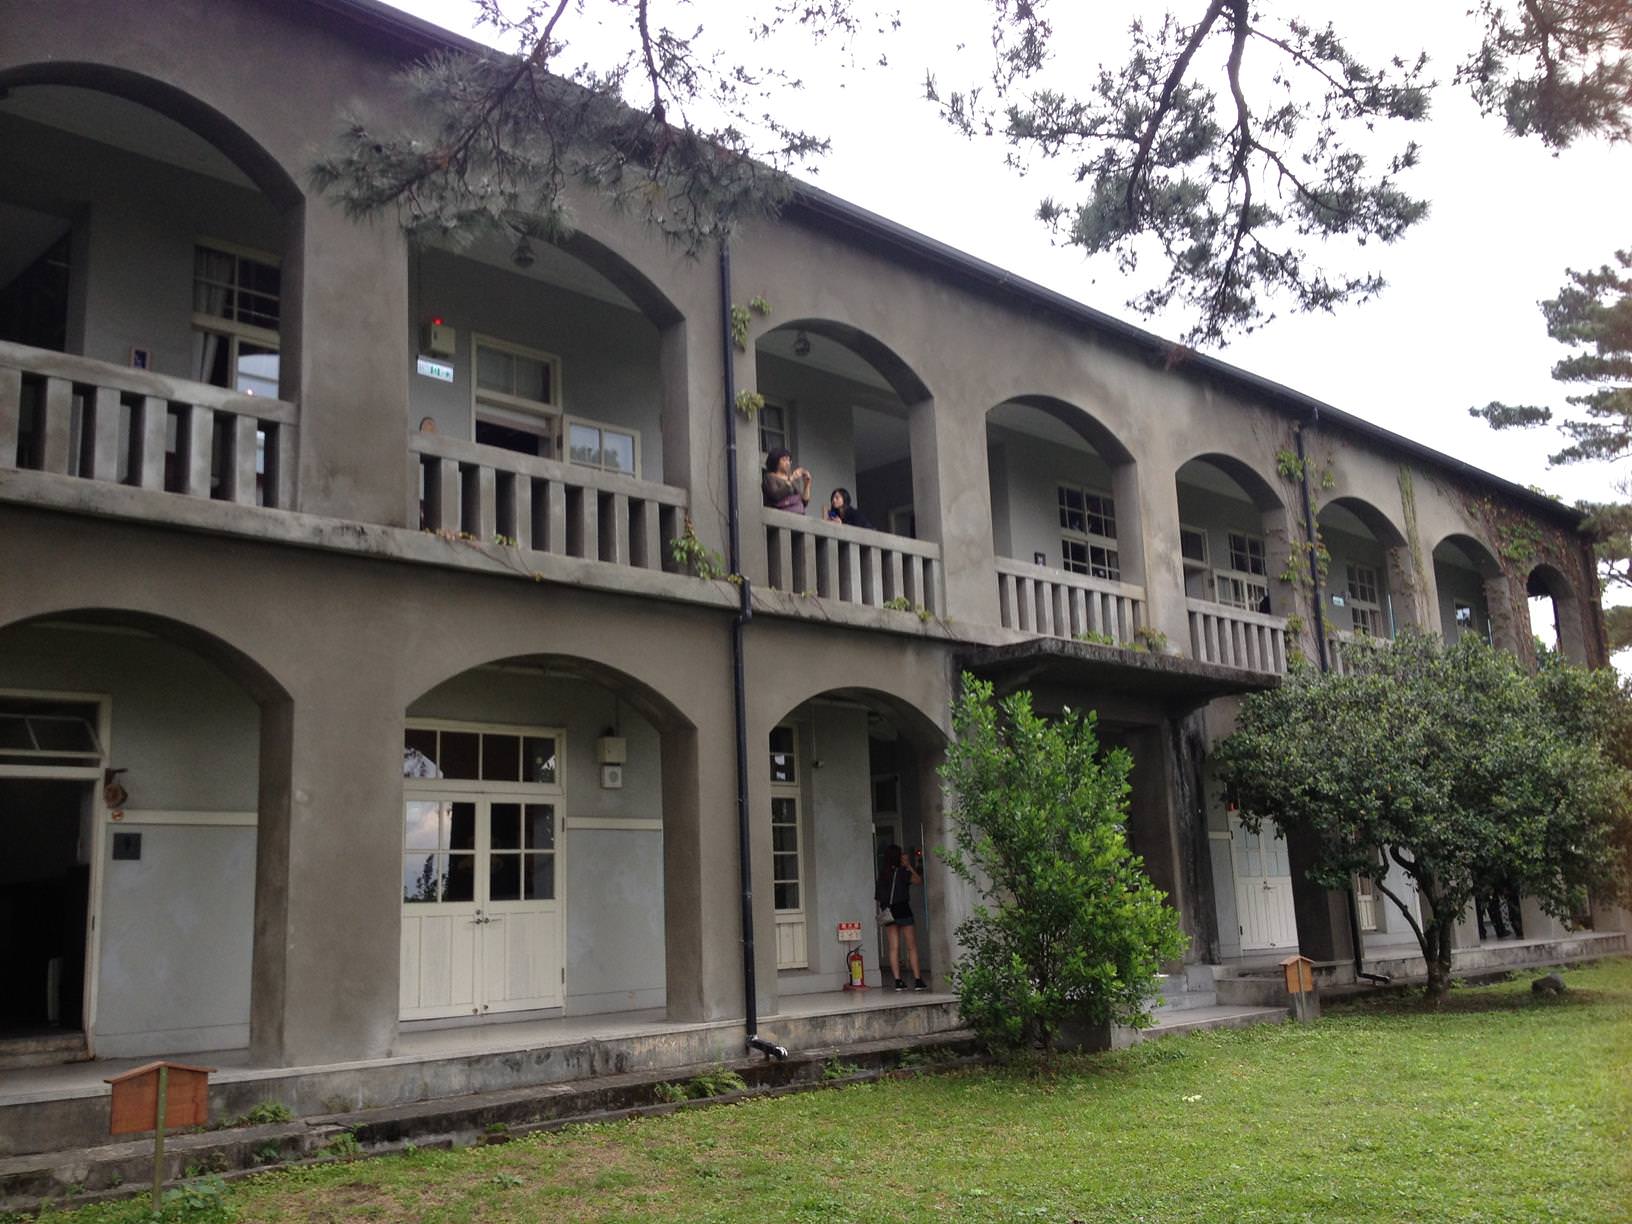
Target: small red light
point(436, 321)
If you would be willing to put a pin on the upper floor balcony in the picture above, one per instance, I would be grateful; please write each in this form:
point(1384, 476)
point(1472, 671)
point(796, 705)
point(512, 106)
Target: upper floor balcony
point(178, 341)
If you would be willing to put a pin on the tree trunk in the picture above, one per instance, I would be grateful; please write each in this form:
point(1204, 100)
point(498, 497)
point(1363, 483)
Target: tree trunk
point(1437, 953)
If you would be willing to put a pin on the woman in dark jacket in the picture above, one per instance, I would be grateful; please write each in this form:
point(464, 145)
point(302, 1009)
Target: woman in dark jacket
point(841, 508)
point(894, 896)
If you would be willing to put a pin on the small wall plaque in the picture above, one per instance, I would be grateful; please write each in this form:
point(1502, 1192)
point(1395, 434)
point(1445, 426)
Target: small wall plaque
point(127, 846)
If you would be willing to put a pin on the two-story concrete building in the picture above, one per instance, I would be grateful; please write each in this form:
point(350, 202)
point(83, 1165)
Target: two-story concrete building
point(356, 706)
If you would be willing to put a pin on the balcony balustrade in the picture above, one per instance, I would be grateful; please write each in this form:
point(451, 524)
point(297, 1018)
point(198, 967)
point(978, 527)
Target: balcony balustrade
point(73, 416)
point(496, 496)
point(1236, 637)
point(1056, 603)
point(851, 565)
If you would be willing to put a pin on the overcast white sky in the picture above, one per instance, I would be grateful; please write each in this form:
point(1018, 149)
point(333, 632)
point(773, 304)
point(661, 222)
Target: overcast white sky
point(1458, 325)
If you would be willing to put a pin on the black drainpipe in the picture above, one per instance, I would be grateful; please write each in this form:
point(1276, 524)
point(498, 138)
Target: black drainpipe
point(1356, 939)
point(739, 691)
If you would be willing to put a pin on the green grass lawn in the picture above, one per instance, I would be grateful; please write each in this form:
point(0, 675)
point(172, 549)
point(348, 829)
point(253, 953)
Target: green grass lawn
point(1505, 1106)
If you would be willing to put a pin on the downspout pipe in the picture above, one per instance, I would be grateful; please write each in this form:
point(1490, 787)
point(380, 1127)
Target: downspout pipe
point(1356, 939)
point(739, 684)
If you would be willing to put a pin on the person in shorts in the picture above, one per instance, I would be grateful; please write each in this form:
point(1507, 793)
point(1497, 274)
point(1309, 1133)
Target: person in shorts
point(894, 896)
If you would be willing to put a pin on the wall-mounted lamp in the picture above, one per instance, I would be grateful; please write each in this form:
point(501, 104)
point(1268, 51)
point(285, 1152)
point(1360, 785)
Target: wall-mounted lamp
point(801, 344)
point(523, 256)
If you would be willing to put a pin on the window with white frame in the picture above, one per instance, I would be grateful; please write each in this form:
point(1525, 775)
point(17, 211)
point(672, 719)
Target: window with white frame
point(1193, 547)
point(1464, 617)
point(607, 447)
point(236, 307)
point(516, 397)
point(1365, 606)
point(1088, 532)
point(1245, 584)
point(775, 428)
point(786, 877)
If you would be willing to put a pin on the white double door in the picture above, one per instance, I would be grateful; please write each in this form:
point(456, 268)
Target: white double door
point(1263, 888)
point(482, 914)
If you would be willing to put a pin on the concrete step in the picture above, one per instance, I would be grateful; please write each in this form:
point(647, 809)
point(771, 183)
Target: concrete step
point(114, 1170)
point(1186, 1000)
point(1197, 1020)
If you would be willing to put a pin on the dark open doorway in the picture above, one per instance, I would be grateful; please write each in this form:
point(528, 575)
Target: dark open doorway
point(45, 877)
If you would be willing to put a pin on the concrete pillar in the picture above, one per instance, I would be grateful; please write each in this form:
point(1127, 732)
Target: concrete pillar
point(346, 364)
point(1411, 592)
point(1324, 930)
point(328, 906)
point(949, 899)
point(1507, 630)
point(1156, 526)
point(1153, 821)
point(951, 493)
point(702, 927)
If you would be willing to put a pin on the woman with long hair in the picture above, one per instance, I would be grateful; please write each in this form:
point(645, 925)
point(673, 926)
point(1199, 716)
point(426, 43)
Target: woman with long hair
point(894, 896)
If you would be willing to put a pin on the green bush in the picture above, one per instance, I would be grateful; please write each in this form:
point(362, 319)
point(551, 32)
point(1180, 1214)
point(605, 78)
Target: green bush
point(1069, 928)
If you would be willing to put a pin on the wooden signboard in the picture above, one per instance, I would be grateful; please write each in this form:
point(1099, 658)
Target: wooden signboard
point(136, 1096)
point(157, 1097)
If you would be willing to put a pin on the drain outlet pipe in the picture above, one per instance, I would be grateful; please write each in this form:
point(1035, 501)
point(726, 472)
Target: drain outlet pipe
point(739, 688)
point(1356, 938)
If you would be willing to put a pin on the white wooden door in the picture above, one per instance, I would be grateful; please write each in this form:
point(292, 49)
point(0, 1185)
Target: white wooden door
point(1263, 889)
point(440, 933)
point(521, 920)
point(482, 922)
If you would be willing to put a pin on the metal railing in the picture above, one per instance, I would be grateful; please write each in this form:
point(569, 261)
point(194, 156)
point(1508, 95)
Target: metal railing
point(1055, 603)
point(810, 556)
point(74, 416)
point(1236, 637)
point(491, 495)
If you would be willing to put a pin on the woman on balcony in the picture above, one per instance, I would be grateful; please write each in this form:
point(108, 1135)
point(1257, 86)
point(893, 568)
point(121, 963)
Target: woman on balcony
point(841, 508)
point(786, 487)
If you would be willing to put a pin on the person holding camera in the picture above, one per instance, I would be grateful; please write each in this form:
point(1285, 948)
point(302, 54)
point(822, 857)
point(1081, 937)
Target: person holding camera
point(894, 896)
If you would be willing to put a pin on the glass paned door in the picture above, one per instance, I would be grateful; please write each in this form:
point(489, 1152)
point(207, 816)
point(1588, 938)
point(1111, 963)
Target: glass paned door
point(482, 927)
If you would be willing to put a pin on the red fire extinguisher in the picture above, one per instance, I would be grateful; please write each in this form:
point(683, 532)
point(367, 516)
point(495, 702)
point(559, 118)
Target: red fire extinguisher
point(858, 971)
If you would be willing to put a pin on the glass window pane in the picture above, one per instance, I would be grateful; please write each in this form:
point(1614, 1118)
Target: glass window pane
point(459, 754)
point(540, 877)
point(422, 825)
point(782, 755)
point(785, 867)
point(501, 758)
point(539, 752)
point(784, 811)
point(495, 370)
point(618, 451)
point(421, 877)
point(462, 827)
point(504, 877)
point(257, 370)
point(461, 881)
point(422, 740)
point(540, 826)
point(504, 826)
point(532, 379)
point(784, 838)
point(584, 445)
point(787, 896)
point(63, 734)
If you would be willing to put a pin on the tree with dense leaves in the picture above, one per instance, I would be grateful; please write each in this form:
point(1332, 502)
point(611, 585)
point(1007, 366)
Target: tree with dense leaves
point(1069, 928)
point(1452, 766)
point(1230, 140)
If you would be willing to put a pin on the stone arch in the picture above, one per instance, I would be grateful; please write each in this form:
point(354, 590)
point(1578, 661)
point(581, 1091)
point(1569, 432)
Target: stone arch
point(268, 174)
point(1035, 451)
point(185, 748)
point(866, 764)
point(1546, 582)
point(1473, 591)
point(1372, 582)
point(855, 414)
point(1235, 537)
point(515, 685)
